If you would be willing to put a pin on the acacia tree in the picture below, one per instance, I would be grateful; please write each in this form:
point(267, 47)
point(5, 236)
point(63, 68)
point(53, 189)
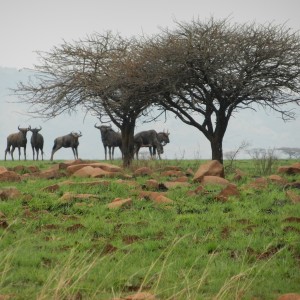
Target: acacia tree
point(205, 72)
point(97, 74)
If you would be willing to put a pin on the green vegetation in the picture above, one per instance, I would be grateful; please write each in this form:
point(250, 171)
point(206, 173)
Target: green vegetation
point(196, 248)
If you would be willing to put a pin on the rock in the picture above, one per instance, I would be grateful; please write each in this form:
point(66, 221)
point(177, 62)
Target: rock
point(238, 175)
point(51, 174)
point(277, 179)
point(51, 188)
point(289, 296)
point(211, 168)
point(85, 172)
point(152, 184)
point(156, 197)
point(172, 173)
point(142, 171)
point(229, 190)
point(2, 169)
point(259, 183)
point(175, 184)
point(68, 197)
point(10, 176)
point(293, 196)
point(9, 193)
point(290, 170)
point(118, 203)
point(214, 180)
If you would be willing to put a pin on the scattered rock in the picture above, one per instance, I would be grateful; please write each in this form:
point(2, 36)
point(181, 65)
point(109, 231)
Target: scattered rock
point(289, 296)
point(290, 170)
point(9, 193)
point(214, 180)
point(172, 173)
point(118, 203)
point(259, 183)
point(175, 184)
point(238, 175)
point(294, 197)
point(10, 176)
point(229, 190)
point(277, 179)
point(211, 168)
point(142, 171)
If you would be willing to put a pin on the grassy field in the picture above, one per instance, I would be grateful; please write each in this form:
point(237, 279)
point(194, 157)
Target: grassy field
point(195, 248)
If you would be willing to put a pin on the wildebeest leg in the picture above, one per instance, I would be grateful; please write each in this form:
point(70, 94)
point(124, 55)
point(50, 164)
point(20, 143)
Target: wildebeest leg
point(7, 150)
point(75, 153)
point(137, 152)
point(150, 151)
point(109, 152)
point(113, 153)
point(37, 153)
point(54, 149)
point(154, 151)
point(33, 152)
point(12, 152)
point(105, 152)
point(24, 152)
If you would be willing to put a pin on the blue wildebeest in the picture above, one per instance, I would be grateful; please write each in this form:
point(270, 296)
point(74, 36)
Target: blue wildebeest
point(148, 138)
point(37, 142)
point(17, 140)
point(67, 141)
point(163, 138)
point(110, 140)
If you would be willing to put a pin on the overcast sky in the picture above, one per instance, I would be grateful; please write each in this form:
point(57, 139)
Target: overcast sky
point(38, 25)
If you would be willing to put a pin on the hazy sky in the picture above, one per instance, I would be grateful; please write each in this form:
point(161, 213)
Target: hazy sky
point(38, 25)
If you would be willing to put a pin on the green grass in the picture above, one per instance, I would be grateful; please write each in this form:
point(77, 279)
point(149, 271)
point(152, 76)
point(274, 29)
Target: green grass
point(197, 248)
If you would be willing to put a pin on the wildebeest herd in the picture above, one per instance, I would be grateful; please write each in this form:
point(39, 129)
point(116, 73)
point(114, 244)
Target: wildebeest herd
point(110, 139)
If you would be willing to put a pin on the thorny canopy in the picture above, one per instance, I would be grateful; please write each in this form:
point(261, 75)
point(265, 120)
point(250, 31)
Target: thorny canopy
point(208, 71)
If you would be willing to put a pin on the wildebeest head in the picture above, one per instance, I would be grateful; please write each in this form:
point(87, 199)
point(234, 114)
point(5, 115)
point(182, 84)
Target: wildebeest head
point(164, 137)
point(34, 130)
point(76, 135)
point(24, 130)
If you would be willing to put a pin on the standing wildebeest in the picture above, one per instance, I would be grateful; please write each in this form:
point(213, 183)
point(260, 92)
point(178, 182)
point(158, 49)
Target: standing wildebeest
point(149, 139)
point(17, 140)
point(163, 138)
point(37, 142)
point(110, 140)
point(67, 141)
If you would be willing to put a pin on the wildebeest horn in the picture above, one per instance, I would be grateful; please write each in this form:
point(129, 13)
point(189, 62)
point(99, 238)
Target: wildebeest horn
point(96, 126)
point(40, 128)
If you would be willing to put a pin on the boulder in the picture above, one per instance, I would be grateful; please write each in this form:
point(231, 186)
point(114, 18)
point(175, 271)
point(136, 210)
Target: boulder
point(214, 180)
point(10, 176)
point(211, 168)
point(228, 191)
point(142, 171)
point(290, 170)
point(277, 179)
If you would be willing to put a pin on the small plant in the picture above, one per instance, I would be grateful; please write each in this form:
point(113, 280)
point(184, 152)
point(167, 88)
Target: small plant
point(264, 160)
point(231, 156)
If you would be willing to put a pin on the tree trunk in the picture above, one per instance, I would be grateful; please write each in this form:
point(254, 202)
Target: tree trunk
point(217, 149)
point(127, 131)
